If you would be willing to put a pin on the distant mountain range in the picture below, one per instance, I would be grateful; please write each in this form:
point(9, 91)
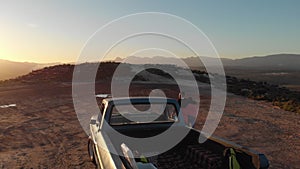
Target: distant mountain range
point(11, 69)
point(280, 61)
point(277, 61)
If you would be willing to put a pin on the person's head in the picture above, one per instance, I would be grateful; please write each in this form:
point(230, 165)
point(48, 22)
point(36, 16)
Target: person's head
point(181, 95)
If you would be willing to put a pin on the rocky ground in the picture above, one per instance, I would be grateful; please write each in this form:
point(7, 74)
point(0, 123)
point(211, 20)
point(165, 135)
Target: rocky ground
point(42, 131)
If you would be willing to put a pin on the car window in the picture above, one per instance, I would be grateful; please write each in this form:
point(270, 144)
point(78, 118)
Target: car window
point(143, 113)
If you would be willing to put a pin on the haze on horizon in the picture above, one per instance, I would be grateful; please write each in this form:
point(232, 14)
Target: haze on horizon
point(56, 31)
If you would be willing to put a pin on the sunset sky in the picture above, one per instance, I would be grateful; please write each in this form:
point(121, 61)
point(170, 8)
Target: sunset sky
point(55, 31)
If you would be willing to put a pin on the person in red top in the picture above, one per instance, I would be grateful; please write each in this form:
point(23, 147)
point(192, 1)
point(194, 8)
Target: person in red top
point(189, 109)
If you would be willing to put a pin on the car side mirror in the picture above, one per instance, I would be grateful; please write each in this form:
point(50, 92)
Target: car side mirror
point(93, 121)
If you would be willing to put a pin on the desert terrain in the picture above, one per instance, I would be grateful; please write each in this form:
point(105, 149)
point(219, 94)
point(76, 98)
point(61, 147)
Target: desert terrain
point(42, 131)
point(40, 128)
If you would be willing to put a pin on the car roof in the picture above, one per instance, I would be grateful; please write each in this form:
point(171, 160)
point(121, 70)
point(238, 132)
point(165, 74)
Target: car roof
point(129, 100)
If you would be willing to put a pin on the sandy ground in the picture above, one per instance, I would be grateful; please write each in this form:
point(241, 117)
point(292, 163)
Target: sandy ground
point(262, 127)
point(42, 131)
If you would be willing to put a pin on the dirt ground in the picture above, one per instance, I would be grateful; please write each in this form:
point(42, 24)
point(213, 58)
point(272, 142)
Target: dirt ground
point(42, 131)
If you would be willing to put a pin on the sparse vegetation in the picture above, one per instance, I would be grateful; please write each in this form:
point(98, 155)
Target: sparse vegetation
point(280, 96)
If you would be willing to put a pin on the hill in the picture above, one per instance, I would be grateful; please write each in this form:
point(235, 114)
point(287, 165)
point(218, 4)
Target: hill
point(279, 69)
point(269, 62)
point(62, 73)
point(277, 61)
point(11, 69)
point(261, 90)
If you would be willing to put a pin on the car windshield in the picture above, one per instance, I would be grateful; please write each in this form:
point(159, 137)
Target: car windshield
point(143, 113)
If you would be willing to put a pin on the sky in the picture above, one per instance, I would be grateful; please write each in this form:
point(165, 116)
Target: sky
point(56, 31)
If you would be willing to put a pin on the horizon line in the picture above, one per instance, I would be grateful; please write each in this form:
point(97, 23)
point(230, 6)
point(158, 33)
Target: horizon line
point(74, 62)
